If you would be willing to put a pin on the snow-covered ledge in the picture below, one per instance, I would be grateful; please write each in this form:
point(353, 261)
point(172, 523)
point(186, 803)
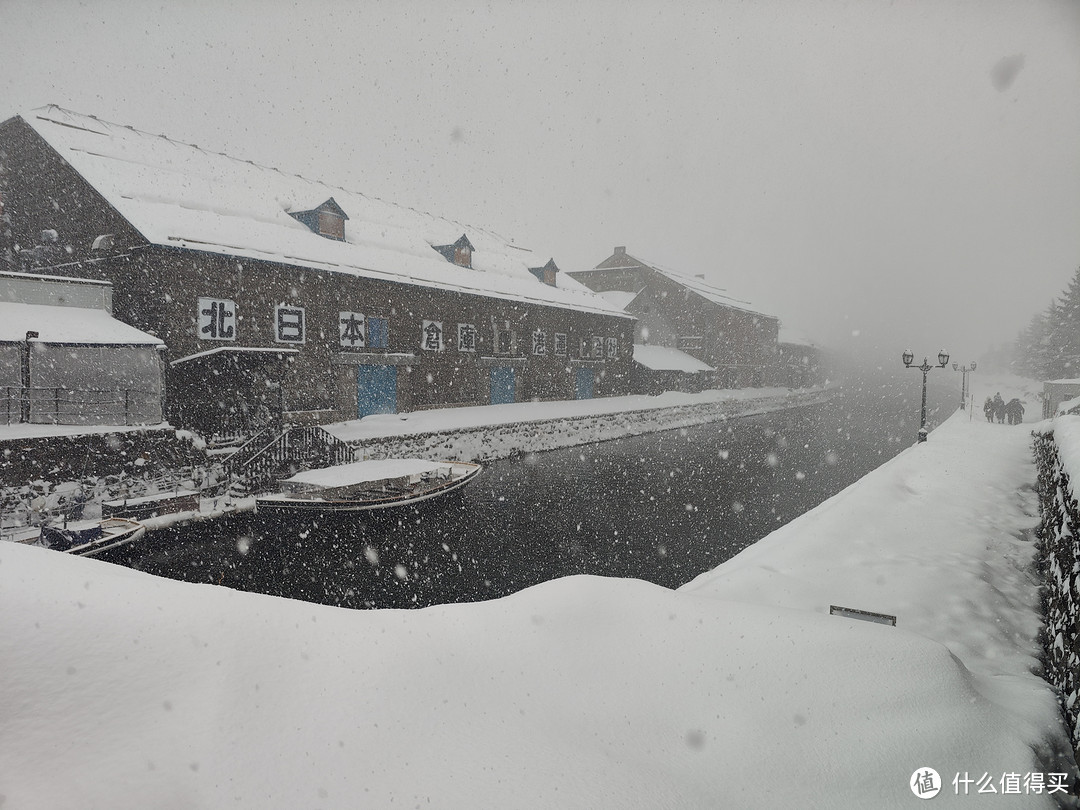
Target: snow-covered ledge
point(499, 431)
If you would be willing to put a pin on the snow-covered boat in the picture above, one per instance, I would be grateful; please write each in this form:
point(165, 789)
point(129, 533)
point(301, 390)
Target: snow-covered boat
point(88, 538)
point(368, 485)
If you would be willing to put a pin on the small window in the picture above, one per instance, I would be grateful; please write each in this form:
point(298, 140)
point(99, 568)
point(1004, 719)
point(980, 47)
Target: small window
point(331, 225)
point(504, 341)
point(378, 334)
point(463, 256)
point(327, 220)
point(459, 253)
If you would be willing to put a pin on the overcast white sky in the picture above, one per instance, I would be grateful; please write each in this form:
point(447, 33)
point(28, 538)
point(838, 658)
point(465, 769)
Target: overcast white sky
point(879, 175)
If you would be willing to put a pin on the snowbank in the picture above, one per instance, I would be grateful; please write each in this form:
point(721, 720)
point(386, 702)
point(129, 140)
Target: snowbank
point(121, 690)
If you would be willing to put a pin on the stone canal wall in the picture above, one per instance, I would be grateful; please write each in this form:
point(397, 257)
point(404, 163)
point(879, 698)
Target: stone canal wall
point(487, 442)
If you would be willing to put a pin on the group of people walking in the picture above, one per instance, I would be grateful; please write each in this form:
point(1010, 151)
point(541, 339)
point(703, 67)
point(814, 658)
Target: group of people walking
point(998, 409)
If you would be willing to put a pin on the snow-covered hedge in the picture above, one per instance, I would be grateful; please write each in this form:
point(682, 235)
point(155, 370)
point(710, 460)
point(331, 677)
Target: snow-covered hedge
point(1057, 452)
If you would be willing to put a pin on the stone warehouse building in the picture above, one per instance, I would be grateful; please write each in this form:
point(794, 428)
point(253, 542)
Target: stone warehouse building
point(277, 295)
point(737, 343)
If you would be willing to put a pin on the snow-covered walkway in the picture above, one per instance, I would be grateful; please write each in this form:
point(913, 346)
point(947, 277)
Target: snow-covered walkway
point(739, 690)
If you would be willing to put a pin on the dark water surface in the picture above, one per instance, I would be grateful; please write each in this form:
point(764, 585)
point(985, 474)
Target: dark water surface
point(662, 507)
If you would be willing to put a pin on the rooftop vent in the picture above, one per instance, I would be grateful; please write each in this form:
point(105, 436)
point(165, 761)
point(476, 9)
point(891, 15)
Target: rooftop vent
point(326, 220)
point(460, 253)
point(547, 273)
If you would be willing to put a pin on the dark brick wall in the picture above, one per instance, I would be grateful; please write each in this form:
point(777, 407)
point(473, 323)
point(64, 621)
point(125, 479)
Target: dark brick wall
point(42, 191)
point(156, 289)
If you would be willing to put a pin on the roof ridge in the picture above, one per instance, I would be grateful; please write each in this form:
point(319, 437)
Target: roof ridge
point(436, 217)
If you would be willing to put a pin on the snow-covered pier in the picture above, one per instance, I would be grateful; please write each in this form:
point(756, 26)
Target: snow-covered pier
point(737, 690)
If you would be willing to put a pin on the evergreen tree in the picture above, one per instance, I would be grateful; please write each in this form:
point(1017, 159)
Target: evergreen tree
point(1049, 348)
point(1065, 331)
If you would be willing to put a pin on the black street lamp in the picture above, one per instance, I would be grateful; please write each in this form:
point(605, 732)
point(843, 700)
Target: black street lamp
point(943, 361)
point(964, 370)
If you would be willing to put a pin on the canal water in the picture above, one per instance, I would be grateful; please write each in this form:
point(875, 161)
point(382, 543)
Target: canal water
point(663, 507)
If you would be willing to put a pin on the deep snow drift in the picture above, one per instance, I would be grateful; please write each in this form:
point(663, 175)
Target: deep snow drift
point(120, 690)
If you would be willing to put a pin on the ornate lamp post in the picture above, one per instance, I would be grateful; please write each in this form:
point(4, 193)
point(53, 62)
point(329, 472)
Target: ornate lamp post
point(943, 361)
point(964, 370)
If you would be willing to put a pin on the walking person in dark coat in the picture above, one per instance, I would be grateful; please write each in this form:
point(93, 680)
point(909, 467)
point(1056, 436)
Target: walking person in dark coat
point(988, 409)
point(1015, 411)
point(999, 408)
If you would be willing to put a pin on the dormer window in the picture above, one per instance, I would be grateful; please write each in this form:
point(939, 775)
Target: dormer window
point(547, 273)
point(460, 253)
point(327, 220)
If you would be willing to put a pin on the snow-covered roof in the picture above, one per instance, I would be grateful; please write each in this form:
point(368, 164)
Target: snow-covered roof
point(73, 325)
point(179, 195)
point(1069, 406)
point(666, 358)
point(255, 350)
point(618, 298)
point(788, 335)
point(359, 472)
point(709, 292)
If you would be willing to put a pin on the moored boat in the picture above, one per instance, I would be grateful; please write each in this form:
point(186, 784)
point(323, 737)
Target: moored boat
point(368, 485)
point(89, 538)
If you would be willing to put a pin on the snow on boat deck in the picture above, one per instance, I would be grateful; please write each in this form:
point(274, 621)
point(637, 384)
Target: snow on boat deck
point(360, 472)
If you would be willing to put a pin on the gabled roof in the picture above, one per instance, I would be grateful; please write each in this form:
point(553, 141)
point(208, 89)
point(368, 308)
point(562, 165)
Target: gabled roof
point(332, 206)
point(549, 266)
point(621, 260)
point(450, 251)
point(667, 358)
point(790, 336)
point(179, 195)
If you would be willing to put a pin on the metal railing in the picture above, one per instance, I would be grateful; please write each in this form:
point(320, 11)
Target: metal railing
point(80, 406)
point(267, 457)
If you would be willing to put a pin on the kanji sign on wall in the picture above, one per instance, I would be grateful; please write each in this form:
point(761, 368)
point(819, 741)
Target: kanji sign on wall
point(217, 319)
point(560, 344)
point(431, 336)
point(466, 337)
point(351, 330)
point(289, 324)
point(539, 343)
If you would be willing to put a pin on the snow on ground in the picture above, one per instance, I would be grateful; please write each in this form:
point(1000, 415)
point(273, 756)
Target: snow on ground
point(121, 690)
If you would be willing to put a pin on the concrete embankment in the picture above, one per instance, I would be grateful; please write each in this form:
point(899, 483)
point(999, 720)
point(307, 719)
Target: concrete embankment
point(502, 431)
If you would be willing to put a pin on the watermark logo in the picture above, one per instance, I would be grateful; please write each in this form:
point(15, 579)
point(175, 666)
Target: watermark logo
point(925, 783)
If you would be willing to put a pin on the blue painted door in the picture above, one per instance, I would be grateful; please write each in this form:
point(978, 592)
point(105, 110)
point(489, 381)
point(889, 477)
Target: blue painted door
point(585, 381)
point(376, 390)
point(502, 384)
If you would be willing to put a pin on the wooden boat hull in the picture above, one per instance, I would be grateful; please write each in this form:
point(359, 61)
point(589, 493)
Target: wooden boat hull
point(366, 502)
point(92, 540)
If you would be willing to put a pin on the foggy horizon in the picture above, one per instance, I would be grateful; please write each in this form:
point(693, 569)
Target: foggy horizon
point(879, 178)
